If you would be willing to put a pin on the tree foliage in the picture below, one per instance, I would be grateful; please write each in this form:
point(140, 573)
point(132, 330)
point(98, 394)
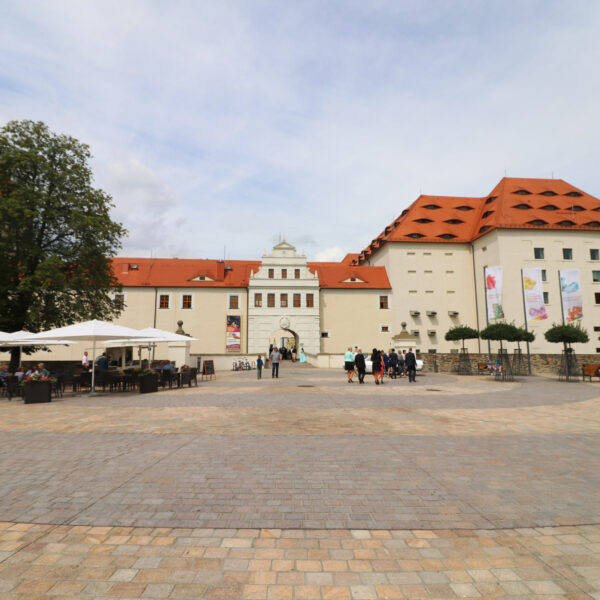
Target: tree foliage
point(523, 335)
point(500, 332)
point(567, 334)
point(56, 234)
point(461, 333)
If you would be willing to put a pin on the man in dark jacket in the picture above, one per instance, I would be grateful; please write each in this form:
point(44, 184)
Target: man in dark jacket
point(393, 358)
point(411, 366)
point(361, 367)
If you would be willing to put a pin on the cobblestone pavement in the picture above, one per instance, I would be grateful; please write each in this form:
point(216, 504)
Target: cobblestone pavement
point(245, 489)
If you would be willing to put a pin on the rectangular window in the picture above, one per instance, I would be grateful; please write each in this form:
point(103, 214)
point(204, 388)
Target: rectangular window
point(257, 300)
point(283, 273)
point(283, 300)
point(594, 254)
point(596, 276)
point(544, 275)
point(538, 253)
point(324, 334)
point(270, 300)
point(310, 300)
point(297, 301)
point(186, 301)
point(385, 328)
point(163, 301)
point(597, 297)
point(296, 273)
point(567, 253)
point(234, 302)
point(546, 298)
point(271, 273)
point(383, 302)
point(120, 300)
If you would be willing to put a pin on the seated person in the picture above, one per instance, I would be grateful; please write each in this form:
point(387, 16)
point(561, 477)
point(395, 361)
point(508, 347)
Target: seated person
point(3, 375)
point(169, 366)
point(20, 372)
point(41, 369)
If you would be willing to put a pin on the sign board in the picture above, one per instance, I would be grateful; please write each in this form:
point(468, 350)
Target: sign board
point(533, 294)
point(570, 289)
point(493, 292)
point(208, 369)
point(233, 333)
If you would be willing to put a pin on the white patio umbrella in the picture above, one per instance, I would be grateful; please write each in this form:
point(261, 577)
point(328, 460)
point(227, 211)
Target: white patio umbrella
point(89, 331)
point(22, 338)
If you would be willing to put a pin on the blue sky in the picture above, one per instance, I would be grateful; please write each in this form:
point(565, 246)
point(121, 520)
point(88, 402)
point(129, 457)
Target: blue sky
point(225, 123)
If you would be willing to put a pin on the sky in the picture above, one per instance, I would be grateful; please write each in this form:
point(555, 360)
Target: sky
point(218, 127)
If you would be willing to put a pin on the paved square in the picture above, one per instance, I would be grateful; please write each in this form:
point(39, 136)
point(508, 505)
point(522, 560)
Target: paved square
point(264, 489)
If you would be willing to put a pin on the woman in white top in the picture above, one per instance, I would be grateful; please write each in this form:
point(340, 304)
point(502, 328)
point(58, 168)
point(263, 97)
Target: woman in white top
point(349, 364)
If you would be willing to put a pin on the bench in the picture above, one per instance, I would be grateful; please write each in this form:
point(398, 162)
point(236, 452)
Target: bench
point(482, 368)
point(591, 370)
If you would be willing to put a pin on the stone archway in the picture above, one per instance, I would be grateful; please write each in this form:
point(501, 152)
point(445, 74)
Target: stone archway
point(285, 336)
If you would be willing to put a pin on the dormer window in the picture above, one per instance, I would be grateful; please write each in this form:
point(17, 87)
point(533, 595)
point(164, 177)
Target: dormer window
point(387, 230)
point(484, 228)
point(522, 193)
point(464, 207)
point(454, 221)
point(432, 206)
point(537, 222)
point(550, 207)
point(423, 220)
point(415, 236)
point(574, 195)
point(490, 199)
point(447, 236)
point(577, 208)
point(548, 193)
point(522, 206)
point(593, 224)
point(487, 213)
point(566, 223)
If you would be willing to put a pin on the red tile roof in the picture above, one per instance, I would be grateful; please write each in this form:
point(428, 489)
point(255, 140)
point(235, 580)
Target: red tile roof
point(515, 203)
point(177, 272)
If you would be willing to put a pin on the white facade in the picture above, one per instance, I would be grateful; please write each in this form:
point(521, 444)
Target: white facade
point(283, 295)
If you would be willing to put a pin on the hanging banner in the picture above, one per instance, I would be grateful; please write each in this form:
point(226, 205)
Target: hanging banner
point(535, 309)
point(493, 291)
point(234, 336)
point(572, 300)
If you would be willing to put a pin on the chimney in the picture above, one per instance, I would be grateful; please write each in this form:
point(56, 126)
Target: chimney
point(220, 270)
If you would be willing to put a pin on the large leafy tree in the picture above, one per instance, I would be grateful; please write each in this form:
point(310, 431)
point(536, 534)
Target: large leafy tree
point(56, 234)
point(461, 333)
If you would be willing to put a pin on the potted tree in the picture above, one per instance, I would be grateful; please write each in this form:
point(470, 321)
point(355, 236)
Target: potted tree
point(567, 335)
point(522, 335)
point(462, 333)
point(37, 388)
point(501, 332)
point(148, 381)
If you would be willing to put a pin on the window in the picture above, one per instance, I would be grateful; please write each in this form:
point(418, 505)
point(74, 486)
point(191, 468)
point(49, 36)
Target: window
point(120, 300)
point(296, 273)
point(257, 300)
point(415, 236)
point(574, 195)
point(490, 199)
point(283, 300)
point(163, 301)
point(310, 301)
point(567, 253)
point(487, 213)
point(186, 301)
point(423, 220)
point(447, 236)
point(522, 206)
point(566, 223)
point(546, 298)
point(383, 302)
point(283, 273)
point(385, 329)
point(522, 193)
point(297, 301)
point(549, 207)
point(537, 222)
point(549, 193)
point(270, 300)
point(271, 273)
point(544, 275)
point(596, 276)
point(597, 297)
point(464, 207)
point(234, 302)
point(594, 254)
point(484, 228)
point(324, 334)
point(454, 221)
point(432, 206)
point(538, 253)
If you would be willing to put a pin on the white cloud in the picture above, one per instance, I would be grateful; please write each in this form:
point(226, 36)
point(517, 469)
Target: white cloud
point(333, 254)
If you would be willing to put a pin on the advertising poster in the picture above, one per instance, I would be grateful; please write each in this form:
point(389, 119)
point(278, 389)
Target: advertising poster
point(533, 293)
point(493, 291)
point(234, 335)
point(572, 300)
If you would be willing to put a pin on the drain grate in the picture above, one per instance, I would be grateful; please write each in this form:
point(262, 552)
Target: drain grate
point(305, 386)
point(432, 390)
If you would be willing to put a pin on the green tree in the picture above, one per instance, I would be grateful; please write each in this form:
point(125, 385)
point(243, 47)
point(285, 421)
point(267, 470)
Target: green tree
point(56, 234)
point(500, 332)
point(461, 333)
point(567, 335)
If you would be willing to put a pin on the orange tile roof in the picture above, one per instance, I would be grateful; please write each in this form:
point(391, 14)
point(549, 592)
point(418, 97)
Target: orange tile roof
point(177, 272)
point(515, 203)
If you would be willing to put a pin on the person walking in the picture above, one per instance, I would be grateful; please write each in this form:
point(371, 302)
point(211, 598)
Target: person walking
point(411, 366)
point(275, 358)
point(361, 367)
point(376, 362)
point(302, 356)
point(393, 359)
point(259, 366)
point(349, 364)
point(402, 363)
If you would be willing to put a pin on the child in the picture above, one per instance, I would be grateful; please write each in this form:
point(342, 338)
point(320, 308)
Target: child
point(259, 366)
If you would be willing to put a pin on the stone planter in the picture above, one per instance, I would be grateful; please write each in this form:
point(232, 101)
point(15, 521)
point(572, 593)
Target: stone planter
point(37, 391)
point(148, 384)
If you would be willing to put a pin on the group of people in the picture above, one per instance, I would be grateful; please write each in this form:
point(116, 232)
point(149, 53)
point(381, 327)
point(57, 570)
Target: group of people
point(275, 356)
point(393, 364)
point(36, 369)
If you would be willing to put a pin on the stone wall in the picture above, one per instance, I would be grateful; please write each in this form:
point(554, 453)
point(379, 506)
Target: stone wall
point(543, 364)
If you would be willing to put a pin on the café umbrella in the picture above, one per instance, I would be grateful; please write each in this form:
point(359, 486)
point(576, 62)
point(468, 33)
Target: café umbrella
point(21, 338)
point(89, 331)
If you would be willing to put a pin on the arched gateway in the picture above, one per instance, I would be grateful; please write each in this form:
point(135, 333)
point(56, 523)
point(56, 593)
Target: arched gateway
point(283, 295)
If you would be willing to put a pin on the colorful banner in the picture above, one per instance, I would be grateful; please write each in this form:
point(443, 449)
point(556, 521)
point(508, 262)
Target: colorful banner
point(572, 300)
point(533, 293)
point(234, 335)
point(493, 292)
